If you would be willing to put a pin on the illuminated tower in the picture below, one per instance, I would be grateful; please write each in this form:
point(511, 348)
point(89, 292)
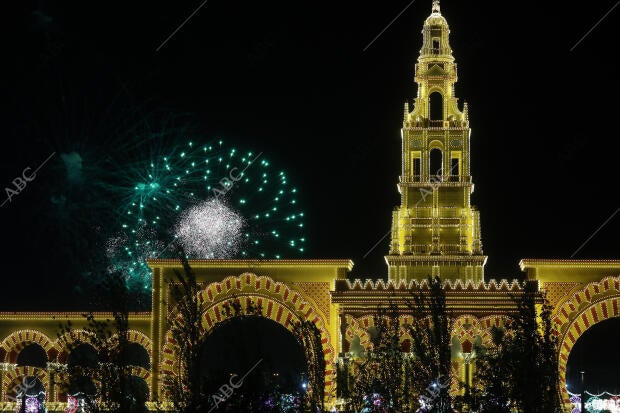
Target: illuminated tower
point(436, 230)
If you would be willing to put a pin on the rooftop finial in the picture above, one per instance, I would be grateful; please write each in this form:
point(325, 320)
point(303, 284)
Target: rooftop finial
point(436, 8)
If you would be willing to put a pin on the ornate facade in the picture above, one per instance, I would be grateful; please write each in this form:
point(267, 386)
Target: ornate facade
point(435, 231)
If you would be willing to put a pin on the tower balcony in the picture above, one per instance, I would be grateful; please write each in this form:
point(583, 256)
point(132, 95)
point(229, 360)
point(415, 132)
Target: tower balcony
point(435, 180)
point(423, 212)
point(441, 249)
point(436, 124)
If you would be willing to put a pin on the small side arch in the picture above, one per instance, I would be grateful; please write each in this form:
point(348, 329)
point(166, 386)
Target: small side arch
point(18, 340)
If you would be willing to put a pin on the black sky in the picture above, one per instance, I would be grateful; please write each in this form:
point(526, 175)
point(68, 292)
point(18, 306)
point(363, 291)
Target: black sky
point(292, 79)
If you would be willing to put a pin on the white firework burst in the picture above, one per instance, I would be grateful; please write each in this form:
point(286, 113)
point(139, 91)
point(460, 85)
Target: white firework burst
point(210, 229)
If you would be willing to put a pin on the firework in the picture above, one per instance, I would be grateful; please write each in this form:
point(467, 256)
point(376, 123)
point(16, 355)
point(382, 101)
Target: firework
point(210, 229)
point(181, 192)
point(113, 195)
point(128, 254)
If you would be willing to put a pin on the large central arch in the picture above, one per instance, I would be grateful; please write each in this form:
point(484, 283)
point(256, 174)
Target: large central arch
point(596, 302)
point(279, 302)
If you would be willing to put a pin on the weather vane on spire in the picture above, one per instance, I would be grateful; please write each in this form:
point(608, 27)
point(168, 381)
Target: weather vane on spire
point(436, 8)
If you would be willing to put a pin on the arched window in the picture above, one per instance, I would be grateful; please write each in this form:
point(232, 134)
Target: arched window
point(435, 162)
point(435, 101)
point(136, 355)
point(416, 164)
point(83, 355)
point(32, 355)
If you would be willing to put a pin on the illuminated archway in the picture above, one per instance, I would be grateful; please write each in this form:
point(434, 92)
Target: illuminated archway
point(467, 332)
point(596, 302)
point(279, 302)
point(358, 327)
point(486, 323)
point(32, 355)
point(142, 339)
point(66, 340)
point(466, 328)
point(594, 352)
point(76, 337)
point(258, 348)
point(17, 340)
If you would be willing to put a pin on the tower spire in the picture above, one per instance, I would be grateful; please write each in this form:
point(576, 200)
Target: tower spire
point(436, 8)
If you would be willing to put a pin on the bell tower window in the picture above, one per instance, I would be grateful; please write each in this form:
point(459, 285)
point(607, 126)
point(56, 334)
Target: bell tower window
point(436, 46)
point(435, 101)
point(454, 169)
point(416, 163)
point(455, 165)
point(435, 163)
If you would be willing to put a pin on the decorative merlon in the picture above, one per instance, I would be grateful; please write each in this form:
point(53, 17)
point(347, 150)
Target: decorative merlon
point(448, 285)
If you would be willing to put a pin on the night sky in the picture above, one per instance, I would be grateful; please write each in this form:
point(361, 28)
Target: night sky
point(291, 79)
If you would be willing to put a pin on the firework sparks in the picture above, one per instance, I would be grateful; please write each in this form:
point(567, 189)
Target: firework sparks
point(210, 229)
point(179, 178)
point(132, 261)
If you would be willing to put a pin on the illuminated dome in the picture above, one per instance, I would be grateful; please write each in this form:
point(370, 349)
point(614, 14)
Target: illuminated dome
point(435, 34)
point(436, 19)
